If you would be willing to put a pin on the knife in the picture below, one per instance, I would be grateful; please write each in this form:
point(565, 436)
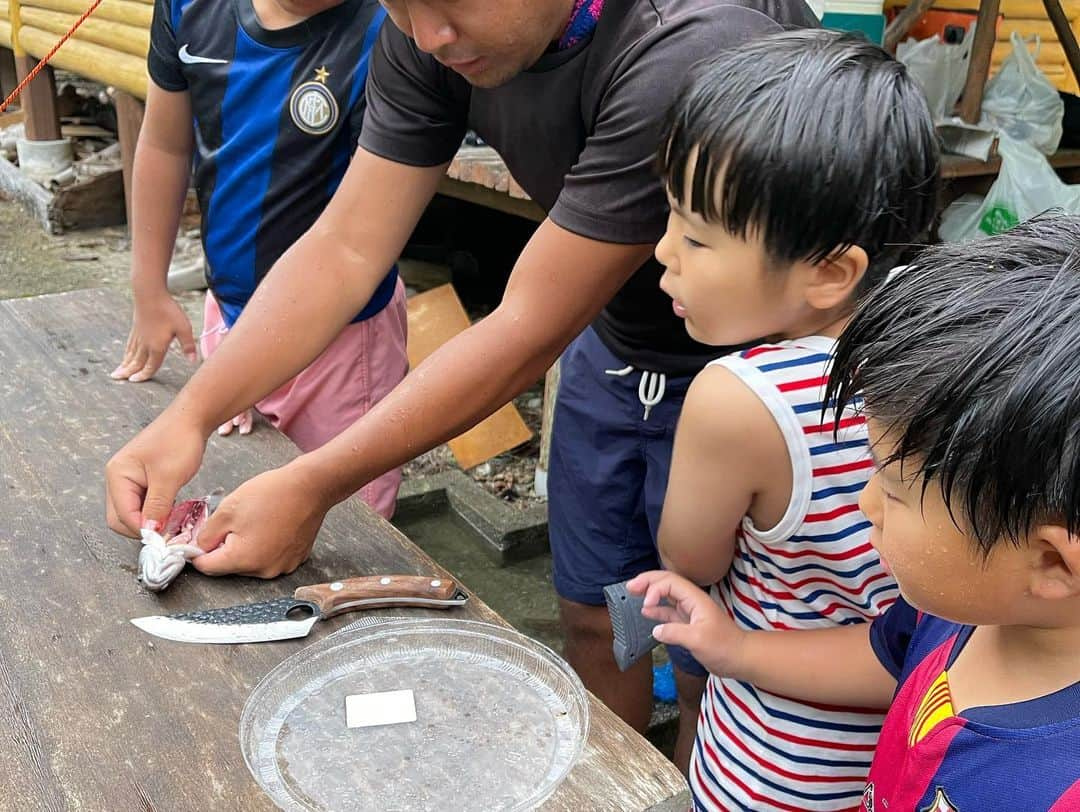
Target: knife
point(286, 618)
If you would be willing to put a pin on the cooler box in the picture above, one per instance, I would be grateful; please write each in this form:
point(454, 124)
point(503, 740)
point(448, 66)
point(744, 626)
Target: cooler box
point(867, 16)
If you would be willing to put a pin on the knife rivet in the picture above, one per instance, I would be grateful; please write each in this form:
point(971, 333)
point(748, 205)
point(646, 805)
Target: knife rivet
point(436, 583)
point(384, 581)
point(337, 586)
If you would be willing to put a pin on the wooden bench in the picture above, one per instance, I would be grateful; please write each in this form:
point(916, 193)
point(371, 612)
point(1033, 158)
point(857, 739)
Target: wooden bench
point(96, 715)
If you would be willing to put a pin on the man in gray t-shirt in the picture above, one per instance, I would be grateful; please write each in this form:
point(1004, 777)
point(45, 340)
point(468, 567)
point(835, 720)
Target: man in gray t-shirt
point(577, 123)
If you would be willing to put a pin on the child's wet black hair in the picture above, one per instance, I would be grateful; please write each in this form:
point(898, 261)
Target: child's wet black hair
point(970, 361)
point(814, 140)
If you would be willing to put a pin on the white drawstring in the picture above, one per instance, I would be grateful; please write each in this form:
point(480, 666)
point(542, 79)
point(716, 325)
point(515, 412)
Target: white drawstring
point(650, 390)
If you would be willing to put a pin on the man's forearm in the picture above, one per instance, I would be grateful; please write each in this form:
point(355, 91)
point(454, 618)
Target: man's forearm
point(560, 283)
point(430, 406)
point(833, 666)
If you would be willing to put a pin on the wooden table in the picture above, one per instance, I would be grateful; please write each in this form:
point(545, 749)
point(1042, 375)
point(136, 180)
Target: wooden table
point(95, 714)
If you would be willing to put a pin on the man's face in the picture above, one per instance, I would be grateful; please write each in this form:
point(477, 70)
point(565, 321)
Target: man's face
point(488, 42)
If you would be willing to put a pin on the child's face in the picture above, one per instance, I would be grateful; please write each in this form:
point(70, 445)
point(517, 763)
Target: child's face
point(722, 286)
point(939, 569)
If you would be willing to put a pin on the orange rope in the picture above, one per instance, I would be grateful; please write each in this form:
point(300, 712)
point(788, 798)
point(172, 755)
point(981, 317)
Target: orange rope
point(37, 68)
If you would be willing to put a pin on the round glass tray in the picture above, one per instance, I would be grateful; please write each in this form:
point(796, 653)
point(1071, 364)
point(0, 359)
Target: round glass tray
point(500, 720)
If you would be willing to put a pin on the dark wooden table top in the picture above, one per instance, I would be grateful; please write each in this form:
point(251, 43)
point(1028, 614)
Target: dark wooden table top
point(97, 715)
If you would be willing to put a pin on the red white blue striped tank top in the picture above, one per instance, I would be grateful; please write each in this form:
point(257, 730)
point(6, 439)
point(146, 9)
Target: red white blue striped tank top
point(816, 568)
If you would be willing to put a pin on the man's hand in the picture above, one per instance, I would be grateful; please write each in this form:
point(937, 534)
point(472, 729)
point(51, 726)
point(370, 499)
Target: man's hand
point(143, 478)
point(690, 619)
point(157, 321)
point(264, 528)
point(243, 421)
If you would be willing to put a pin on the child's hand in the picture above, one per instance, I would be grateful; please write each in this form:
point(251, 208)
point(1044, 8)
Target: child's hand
point(156, 323)
point(690, 619)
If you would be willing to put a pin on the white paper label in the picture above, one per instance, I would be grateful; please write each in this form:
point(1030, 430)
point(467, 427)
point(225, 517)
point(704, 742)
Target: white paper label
point(387, 708)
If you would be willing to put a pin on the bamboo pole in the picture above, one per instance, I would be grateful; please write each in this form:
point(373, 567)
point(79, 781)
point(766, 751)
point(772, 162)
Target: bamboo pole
point(110, 67)
point(116, 36)
point(13, 16)
point(5, 24)
point(128, 12)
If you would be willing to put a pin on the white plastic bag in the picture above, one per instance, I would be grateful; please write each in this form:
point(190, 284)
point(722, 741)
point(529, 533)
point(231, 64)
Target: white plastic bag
point(1026, 186)
point(1021, 102)
point(940, 68)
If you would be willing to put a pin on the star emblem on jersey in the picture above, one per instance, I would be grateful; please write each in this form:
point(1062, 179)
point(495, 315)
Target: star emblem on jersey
point(312, 106)
point(941, 803)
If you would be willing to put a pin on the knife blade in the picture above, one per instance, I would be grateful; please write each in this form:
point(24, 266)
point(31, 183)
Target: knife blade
point(287, 618)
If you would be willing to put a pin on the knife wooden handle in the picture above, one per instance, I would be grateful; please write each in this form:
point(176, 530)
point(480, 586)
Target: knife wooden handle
point(340, 596)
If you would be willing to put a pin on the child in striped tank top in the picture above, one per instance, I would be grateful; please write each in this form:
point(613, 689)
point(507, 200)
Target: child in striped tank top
point(797, 166)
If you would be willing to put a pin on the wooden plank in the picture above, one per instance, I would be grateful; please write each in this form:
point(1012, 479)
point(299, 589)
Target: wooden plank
point(1048, 53)
point(903, 22)
point(970, 107)
point(38, 101)
point(435, 317)
point(118, 11)
point(130, 39)
point(11, 117)
point(94, 714)
point(124, 71)
point(482, 196)
point(129, 118)
point(1024, 9)
point(957, 166)
point(1066, 36)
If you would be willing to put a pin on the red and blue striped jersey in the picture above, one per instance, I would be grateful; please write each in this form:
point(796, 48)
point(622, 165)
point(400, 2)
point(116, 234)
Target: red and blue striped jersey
point(815, 568)
point(1024, 757)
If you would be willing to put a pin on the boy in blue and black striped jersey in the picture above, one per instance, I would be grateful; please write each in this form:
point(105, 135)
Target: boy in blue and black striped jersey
point(268, 99)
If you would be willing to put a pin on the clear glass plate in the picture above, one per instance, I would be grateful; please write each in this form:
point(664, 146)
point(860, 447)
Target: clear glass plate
point(501, 719)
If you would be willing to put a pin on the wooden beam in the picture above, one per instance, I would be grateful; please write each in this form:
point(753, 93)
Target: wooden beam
point(1066, 35)
point(979, 67)
point(38, 101)
point(105, 65)
point(903, 23)
point(129, 118)
point(127, 39)
point(474, 193)
point(7, 72)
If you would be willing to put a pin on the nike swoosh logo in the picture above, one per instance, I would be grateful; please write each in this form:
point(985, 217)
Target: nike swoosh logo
point(191, 59)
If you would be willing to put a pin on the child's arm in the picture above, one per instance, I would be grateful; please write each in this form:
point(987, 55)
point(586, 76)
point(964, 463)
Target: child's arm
point(728, 451)
point(835, 666)
point(159, 185)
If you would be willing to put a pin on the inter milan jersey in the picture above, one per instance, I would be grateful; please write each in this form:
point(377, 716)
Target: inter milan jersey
point(1021, 757)
point(277, 116)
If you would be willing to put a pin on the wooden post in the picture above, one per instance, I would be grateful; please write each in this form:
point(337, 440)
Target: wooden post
point(129, 118)
point(1065, 34)
point(547, 420)
point(979, 67)
point(900, 26)
point(38, 100)
point(7, 72)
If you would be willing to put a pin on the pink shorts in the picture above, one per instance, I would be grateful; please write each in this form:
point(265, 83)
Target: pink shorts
point(354, 373)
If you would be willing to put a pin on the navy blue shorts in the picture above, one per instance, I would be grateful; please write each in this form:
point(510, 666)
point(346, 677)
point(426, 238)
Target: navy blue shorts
point(608, 474)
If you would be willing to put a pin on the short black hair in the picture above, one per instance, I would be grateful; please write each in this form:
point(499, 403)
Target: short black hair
point(970, 359)
point(820, 140)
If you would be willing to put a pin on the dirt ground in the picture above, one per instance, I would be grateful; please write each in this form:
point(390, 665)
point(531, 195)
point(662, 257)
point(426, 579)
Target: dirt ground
point(34, 263)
